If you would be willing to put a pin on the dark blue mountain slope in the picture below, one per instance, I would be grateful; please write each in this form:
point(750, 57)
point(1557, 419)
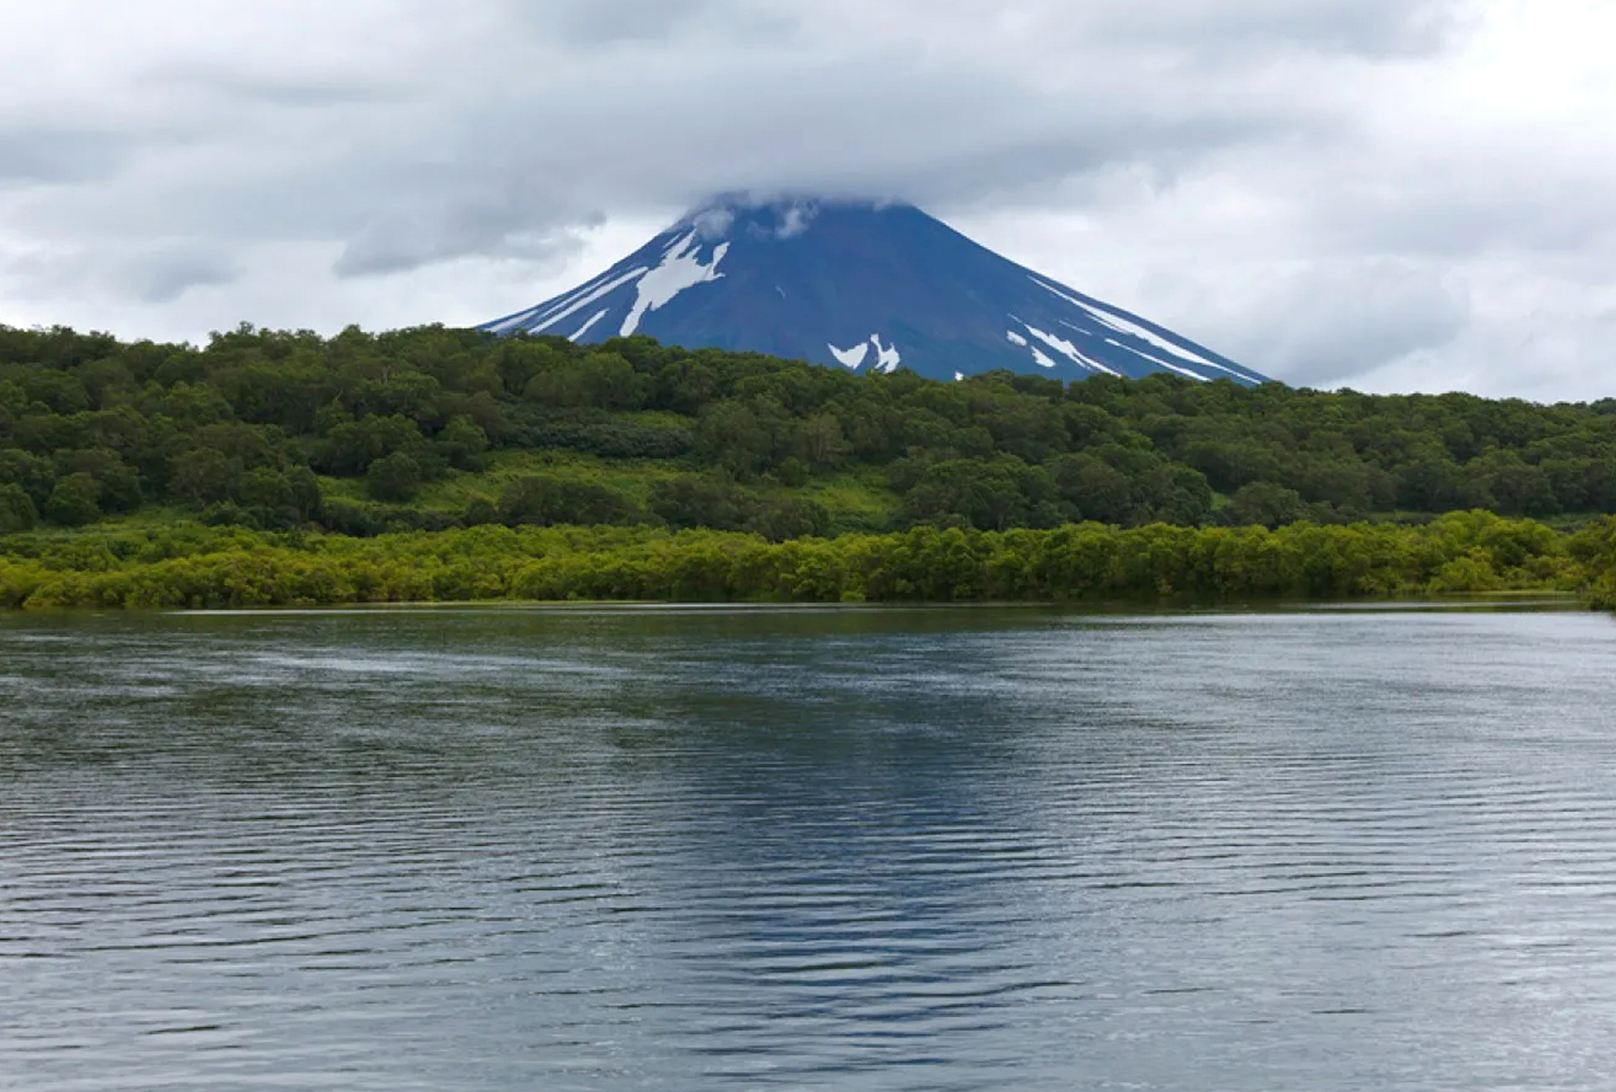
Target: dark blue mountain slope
point(862, 286)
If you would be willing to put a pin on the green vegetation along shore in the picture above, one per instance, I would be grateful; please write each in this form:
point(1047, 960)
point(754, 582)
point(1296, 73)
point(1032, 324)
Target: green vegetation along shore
point(435, 464)
point(432, 429)
point(193, 566)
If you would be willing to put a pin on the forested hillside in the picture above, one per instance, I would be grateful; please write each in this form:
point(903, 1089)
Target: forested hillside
point(434, 428)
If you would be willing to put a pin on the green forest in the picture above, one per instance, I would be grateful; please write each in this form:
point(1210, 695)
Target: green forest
point(434, 463)
point(195, 566)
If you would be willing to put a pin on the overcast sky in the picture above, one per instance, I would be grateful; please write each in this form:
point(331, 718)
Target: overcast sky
point(1386, 194)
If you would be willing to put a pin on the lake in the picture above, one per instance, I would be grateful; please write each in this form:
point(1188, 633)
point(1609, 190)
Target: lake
point(704, 849)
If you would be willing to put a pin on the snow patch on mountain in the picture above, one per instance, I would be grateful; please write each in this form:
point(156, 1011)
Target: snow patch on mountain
point(521, 319)
point(584, 329)
point(887, 358)
point(1068, 350)
point(850, 358)
point(681, 268)
point(1158, 360)
point(547, 319)
point(1123, 325)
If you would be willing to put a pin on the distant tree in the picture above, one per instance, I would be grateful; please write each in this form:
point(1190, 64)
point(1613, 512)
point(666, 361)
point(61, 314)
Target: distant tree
point(479, 512)
point(701, 501)
point(395, 477)
point(17, 512)
point(546, 500)
point(1095, 489)
point(351, 446)
point(120, 484)
point(990, 495)
point(33, 473)
point(264, 488)
point(75, 500)
point(305, 489)
point(203, 475)
point(463, 443)
point(1433, 485)
point(1263, 504)
point(787, 518)
point(820, 439)
point(740, 436)
point(603, 380)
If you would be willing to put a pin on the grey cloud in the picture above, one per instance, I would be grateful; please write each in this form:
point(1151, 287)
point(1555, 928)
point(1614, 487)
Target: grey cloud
point(400, 242)
point(1194, 136)
point(557, 136)
point(1424, 215)
point(279, 90)
point(1332, 322)
point(164, 273)
point(602, 22)
point(153, 273)
point(1373, 28)
point(847, 125)
point(67, 156)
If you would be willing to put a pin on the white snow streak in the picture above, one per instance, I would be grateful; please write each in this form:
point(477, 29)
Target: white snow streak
point(1133, 329)
point(548, 307)
point(850, 358)
point(1067, 349)
point(587, 300)
point(1197, 376)
point(680, 269)
point(1015, 338)
point(507, 325)
point(1041, 358)
point(584, 329)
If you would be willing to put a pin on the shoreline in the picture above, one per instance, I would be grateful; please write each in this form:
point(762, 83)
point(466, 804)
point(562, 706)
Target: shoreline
point(1519, 600)
point(1459, 557)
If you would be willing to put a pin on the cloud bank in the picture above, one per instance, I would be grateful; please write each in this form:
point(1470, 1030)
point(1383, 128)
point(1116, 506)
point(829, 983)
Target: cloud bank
point(1392, 194)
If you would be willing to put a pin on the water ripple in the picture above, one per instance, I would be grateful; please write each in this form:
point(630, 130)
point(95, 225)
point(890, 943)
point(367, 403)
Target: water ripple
point(852, 849)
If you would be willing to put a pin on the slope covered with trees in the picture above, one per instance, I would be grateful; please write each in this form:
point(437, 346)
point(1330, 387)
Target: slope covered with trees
point(435, 428)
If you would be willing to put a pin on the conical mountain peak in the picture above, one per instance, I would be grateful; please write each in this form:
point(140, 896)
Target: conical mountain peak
point(864, 285)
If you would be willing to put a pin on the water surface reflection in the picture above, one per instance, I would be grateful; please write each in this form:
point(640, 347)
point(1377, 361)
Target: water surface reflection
point(973, 849)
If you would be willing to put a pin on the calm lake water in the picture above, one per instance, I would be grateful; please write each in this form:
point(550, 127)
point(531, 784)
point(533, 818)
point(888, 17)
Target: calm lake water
point(863, 849)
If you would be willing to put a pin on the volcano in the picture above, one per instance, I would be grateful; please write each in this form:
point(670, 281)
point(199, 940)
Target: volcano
point(864, 286)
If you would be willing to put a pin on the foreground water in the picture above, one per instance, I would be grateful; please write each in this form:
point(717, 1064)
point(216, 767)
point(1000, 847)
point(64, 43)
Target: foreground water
point(968, 849)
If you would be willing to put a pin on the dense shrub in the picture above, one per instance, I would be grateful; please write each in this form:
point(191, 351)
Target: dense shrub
point(545, 500)
point(194, 566)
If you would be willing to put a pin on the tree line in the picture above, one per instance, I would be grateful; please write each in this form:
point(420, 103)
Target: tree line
point(254, 428)
point(190, 565)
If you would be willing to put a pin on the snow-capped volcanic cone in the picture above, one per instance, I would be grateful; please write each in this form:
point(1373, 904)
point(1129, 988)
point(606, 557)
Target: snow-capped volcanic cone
point(862, 286)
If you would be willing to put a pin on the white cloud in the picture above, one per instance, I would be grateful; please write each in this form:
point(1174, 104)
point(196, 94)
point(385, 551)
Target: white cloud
point(1397, 193)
